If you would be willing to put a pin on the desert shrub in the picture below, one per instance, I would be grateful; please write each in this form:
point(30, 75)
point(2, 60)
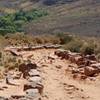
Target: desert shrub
point(88, 49)
point(50, 39)
point(74, 46)
point(64, 38)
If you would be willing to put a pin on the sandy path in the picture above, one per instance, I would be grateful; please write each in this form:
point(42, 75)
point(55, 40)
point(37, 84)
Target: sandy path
point(52, 82)
point(57, 84)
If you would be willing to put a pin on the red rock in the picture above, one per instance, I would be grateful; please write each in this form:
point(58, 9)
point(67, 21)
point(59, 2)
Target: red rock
point(91, 57)
point(90, 71)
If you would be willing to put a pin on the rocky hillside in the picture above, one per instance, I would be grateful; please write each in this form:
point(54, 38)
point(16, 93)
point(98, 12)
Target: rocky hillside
point(73, 16)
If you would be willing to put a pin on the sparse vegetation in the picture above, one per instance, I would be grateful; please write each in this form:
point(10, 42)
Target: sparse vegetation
point(74, 45)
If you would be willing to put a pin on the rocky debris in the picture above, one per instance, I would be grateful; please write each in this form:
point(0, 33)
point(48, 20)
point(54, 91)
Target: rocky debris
point(16, 50)
point(84, 65)
point(30, 84)
point(34, 86)
point(31, 87)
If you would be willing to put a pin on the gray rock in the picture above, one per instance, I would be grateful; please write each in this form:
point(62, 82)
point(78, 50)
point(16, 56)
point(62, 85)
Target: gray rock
point(33, 85)
point(11, 81)
point(35, 79)
point(34, 72)
point(33, 94)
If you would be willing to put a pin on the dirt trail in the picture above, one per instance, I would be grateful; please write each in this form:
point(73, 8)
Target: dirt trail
point(58, 84)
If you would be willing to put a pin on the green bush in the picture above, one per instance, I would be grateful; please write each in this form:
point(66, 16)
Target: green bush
point(12, 23)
